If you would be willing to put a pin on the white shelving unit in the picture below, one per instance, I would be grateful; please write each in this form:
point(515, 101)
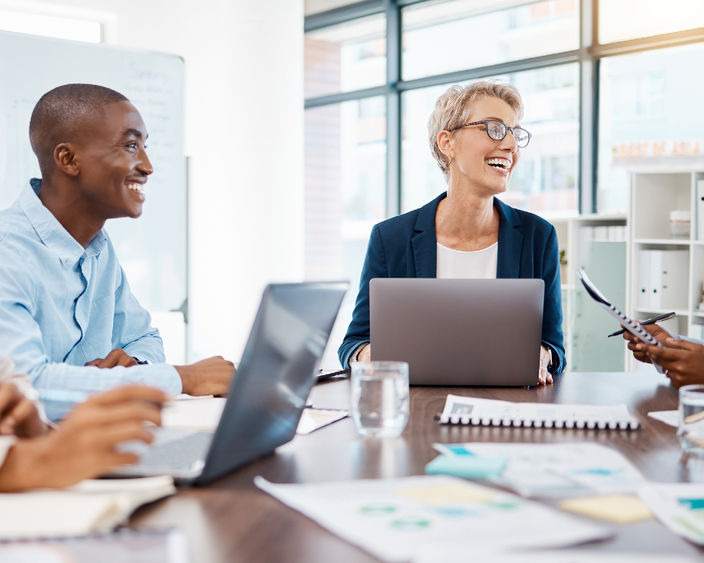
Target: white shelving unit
point(677, 268)
point(598, 244)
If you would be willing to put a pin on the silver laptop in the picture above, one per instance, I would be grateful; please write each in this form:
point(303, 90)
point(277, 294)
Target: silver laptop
point(267, 395)
point(459, 332)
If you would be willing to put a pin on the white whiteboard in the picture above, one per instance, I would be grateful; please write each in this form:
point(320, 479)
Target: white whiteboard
point(152, 248)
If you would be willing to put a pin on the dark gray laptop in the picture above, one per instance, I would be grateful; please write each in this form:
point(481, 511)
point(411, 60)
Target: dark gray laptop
point(267, 395)
point(459, 332)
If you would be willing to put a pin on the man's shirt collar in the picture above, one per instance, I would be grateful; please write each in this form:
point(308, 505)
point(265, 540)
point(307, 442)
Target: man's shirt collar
point(51, 232)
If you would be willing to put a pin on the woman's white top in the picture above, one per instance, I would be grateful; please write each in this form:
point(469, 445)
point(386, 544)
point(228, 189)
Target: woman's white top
point(460, 264)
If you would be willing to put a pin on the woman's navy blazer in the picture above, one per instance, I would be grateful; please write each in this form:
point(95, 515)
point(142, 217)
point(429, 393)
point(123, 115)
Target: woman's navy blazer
point(406, 247)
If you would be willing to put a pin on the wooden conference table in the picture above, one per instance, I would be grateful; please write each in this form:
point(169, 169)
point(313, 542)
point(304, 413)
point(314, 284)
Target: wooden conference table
point(232, 520)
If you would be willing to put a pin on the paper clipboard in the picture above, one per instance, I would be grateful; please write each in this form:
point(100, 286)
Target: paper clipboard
point(629, 324)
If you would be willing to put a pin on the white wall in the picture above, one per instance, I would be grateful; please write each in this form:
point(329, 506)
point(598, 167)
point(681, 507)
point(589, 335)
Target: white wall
point(244, 135)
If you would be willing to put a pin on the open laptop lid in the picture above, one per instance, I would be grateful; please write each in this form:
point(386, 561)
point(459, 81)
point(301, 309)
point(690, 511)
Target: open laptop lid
point(276, 373)
point(459, 331)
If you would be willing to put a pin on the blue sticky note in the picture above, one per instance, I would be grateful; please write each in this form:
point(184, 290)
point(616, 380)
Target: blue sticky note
point(692, 503)
point(466, 466)
point(458, 449)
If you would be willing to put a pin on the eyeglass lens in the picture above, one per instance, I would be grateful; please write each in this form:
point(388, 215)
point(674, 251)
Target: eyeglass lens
point(497, 131)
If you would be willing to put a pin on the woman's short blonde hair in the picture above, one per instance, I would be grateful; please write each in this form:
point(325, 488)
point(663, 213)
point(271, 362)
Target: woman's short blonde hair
point(452, 110)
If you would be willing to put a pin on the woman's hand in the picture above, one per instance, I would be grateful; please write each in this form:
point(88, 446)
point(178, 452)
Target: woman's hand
point(544, 376)
point(363, 355)
point(86, 443)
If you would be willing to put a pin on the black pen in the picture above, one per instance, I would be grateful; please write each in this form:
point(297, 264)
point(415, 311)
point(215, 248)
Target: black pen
point(662, 317)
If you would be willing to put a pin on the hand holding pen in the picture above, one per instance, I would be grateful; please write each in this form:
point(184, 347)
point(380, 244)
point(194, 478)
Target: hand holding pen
point(663, 317)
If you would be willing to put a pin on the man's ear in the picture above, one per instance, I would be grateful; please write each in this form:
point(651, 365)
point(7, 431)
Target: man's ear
point(444, 140)
point(65, 159)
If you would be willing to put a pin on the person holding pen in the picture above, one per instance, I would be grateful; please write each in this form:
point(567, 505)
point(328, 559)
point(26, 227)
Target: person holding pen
point(467, 232)
point(682, 360)
point(69, 319)
point(84, 445)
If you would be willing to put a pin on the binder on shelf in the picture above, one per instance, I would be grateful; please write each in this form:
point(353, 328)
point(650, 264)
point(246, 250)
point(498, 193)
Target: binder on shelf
point(643, 288)
point(668, 279)
point(700, 209)
point(489, 412)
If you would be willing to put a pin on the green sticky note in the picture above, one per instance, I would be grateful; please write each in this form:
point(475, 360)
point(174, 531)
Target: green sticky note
point(468, 467)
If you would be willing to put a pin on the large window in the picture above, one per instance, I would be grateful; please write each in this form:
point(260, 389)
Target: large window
point(346, 57)
point(609, 87)
point(650, 117)
point(345, 163)
point(454, 35)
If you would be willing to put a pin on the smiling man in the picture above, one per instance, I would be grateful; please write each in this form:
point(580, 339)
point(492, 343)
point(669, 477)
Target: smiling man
point(67, 316)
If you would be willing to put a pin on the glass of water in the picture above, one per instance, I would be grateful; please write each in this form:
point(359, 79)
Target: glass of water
point(380, 398)
point(691, 424)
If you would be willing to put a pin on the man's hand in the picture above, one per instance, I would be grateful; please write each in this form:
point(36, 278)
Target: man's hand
point(85, 444)
point(683, 361)
point(211, 376)
point(117, 357)
point(638, 347)
point(544, 375)
point(18, 415)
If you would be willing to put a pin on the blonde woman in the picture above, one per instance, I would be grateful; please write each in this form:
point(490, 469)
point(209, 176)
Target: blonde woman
point(476, 138)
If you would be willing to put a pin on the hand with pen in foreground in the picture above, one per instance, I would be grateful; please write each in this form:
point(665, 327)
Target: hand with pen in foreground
point(681, 360)
point(86, 443)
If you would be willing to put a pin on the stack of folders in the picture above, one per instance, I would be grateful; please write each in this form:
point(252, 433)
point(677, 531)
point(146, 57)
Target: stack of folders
point(487, 412)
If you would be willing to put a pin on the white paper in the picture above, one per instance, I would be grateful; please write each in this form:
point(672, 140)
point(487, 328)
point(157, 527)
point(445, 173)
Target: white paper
point(91, 506)
point(556, 470)
point(679, 506)
point(449, 554)
point(671, 418)
point(203, 413)
point(313, 419)
point(394, 518)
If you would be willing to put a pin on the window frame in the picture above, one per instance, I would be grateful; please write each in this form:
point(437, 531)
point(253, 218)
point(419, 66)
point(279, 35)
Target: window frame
point(588, 56)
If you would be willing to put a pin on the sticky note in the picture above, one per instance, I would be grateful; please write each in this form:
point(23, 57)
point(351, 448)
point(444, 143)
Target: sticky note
point(447, 493)
point(621, 509)
point(466, 466)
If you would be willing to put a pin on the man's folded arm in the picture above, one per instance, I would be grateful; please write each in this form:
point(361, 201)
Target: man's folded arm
point(21, 339)
point(132, 326)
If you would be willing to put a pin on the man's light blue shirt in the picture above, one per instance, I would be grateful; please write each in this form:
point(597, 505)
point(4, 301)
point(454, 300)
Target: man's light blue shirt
point(62, 305)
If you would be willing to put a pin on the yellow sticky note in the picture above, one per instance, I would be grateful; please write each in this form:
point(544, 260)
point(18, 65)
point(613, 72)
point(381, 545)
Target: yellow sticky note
point(622, 509)
point(447, 493)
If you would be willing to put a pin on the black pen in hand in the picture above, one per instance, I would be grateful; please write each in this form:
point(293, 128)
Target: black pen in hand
point(662, 317)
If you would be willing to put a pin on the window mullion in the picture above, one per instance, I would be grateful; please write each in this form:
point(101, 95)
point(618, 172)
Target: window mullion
point(393, 108)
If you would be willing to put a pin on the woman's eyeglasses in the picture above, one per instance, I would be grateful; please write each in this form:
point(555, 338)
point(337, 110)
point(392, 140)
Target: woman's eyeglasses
point(497, 130)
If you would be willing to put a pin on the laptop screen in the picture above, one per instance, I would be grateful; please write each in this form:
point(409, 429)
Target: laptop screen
point(277, 371)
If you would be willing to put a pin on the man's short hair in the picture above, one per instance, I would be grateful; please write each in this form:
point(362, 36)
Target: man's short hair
point(60, 112)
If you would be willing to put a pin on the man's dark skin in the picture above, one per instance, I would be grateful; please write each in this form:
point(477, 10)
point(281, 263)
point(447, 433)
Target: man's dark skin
point(681, 360)
point(97, 171)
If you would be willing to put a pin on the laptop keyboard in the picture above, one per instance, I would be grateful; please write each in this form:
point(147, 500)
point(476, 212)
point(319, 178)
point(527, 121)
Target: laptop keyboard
point(176, 453)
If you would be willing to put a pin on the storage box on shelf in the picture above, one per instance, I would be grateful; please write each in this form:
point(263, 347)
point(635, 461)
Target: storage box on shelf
point(666, 249)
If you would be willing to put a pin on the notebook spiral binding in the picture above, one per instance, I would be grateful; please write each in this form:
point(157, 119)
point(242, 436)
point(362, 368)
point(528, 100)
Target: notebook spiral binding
point(578, 424)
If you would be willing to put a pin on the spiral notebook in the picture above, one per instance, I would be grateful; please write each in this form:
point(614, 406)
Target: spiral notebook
point(628, 323)
point(489, 412)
